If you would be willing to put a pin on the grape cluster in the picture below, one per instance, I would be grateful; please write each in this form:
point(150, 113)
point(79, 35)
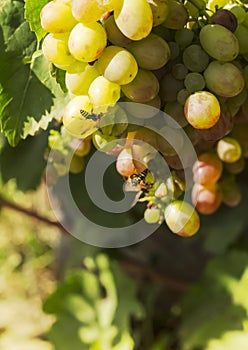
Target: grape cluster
point(188, 59)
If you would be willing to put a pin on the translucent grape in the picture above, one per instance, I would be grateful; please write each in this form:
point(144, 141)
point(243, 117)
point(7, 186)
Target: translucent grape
point(195, 58)
point(115, 36)
point(76, 165)
point(239, 12)
point(152, 215)
point(117, 65)
point(151, 53)
point(103, 142)
point(202, 110)
point(177, 17)
point(182, 218)
point(184, 37)
point(55, 49)
point(207, 199)
point(207, 169)
point(78, 83)
point(194, 82)
point(103, 92)
point(219, 42)
point(87, 41)
point(124, 164)
point(143, 88)
point(134, 18)
point(86, 11)
point(229, 150)
point(56, 17)
point(160, 11)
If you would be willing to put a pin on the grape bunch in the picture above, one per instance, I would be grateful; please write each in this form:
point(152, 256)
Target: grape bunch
point(187, 59)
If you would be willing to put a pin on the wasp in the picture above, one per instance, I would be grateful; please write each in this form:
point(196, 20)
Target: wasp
point(140, 183)
point(91, 115)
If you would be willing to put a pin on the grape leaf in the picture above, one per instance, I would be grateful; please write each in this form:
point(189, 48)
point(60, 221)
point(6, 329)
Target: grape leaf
point(32, 15)
point(18, 162)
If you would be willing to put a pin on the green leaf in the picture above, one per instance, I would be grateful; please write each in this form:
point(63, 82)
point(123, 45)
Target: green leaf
point(32, 15)
point(217, 303)
point(18, 162)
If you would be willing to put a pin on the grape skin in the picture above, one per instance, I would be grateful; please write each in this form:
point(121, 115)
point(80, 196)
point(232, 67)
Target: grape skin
point(207, 169)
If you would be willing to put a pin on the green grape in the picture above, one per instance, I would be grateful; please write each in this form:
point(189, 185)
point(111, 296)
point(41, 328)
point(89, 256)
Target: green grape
point(229, 150)
point(151, 53)
point(103, 142)
point(81, 147)
point(165, 33)
point(231, 192)
point(169, 87)
point(117, 65)
point(184, 37)
point(219, 42)
point(236, 167)
point(139, 111)
point(76, 165)
point(152, 215)
point(87, 11)
point(103, 92)
point(87, 41)
point(143, 88)
point(224, 79)
point(206, 199)
point(177, 16)
point(75, 67)
point(55, 49)
point(164, 145)
point(202, 110)
point(239, 12)
point(115, 36)
point(56, 17)
point(241, 34)
point(182, 218)
point(74, 122)
point(195, 58)
point(160, 11)
point(179, 71)
point(176, 111)
point(239, 133)
point(182, 96)
point(207, 169)
point(174, 50)
point(134, 18)
point(78, 83)
point(225, 18)
point(194, 82)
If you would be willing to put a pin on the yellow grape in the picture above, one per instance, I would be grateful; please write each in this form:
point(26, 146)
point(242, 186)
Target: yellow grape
point(55, 49)
point(202, 110)
point(56, 17)
point(87, 11)
point(78, 83)
point(87, 41)
point(117, 65)
point(134, 18)
point(160, 11)
point(177, 16)
point(115, 36)
point(103, 92)
point(73, 120)
point(229, 150)
point(76, 165)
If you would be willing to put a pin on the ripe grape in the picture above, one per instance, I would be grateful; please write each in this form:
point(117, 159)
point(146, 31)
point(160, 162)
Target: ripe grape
point(134, 18)
point(202, 110)
point(160, 11)
point(239, 12)
point(152, 215)
point(177, 17)
point(115, 36)
point(86, 11)
point(124, 164)
point(143, 88)
point(78, 83)
point(76, 164)
point(184, 37)
point(165, 145)
point(194, 82)
point(207, 169)
point(56, 17)
point(117, 65)
point(229, 150)
point(151, 53)
point(195, 58)
point(103, 142)
point(73, 120)
point(55, 49)
point(87, 41)
point(207, 199)
point(225, 18)
point(182, 218)
point(103, 92)
point(219, 42)
point(241, 34)
point(224, 79)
